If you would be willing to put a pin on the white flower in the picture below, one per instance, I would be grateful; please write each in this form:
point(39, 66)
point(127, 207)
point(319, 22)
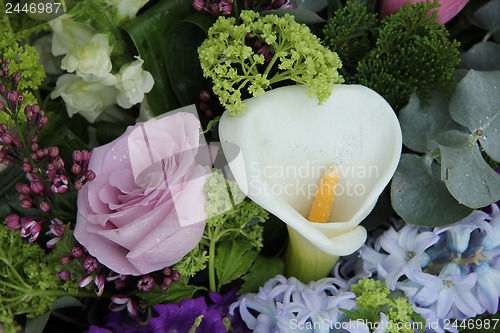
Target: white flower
point(125, 10)
point(133, 82)
point(286, 141)
point(68, 34)
point(87, 98)
point(91, 61)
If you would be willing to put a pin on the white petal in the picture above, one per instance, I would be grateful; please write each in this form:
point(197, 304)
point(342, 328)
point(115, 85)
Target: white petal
point(287, 141)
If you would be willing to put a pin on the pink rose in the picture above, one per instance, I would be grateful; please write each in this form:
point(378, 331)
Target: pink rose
point(145, 209)
point(447, 11)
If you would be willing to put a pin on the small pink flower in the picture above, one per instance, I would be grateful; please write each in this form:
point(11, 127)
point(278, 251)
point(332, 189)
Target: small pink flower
point(120, 302)
point(145, 209)
point(90, 263)
point(31, 228)
point(146, 283)
point(447, 11)
point(60, 184)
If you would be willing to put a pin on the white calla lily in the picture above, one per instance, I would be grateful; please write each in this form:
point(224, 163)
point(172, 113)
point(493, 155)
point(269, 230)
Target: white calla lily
point(287, 141)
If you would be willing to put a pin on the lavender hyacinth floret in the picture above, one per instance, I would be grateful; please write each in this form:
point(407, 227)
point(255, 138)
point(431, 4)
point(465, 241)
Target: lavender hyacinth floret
point(447, 273)
point(288, 305)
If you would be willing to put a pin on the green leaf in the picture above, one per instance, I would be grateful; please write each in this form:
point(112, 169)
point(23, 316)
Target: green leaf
point(301, 15)
point(180, 52)
point(177, 292)
point(37, 324)
point(420, 197)
point(421, 127)
point(484, 56)
point(233, 259)
point(476, 105)
point(467, 175)
point(262, 270)
point(147, 32)
point(312, 5)
point(488, 18)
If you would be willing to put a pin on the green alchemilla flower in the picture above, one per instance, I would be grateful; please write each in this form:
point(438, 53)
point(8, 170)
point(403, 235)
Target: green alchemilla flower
point(249, 58)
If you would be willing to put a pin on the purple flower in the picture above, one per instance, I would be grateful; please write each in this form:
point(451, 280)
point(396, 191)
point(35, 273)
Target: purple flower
point(450, 291)
point(222, 304)
point(122, 322)
point(458, 235)
point(406, 252)
point(181, 318)
point(95, 329)
point(487, 289)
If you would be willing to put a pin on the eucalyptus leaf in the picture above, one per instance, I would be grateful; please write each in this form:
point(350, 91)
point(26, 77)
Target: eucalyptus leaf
point(467, 175)
point(484, 56)
point(301, 15)
point(476, 105)
point(147, 32)
point(488, 18)
point(422, 126)
point(312, 5)
point(420, 197)
point(181, 57)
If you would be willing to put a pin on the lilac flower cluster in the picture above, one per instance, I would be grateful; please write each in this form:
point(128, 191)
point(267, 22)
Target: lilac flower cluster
point(260, 6)
point(288, 305)
point(450, 272)
point(214, 7)
point(44, 169)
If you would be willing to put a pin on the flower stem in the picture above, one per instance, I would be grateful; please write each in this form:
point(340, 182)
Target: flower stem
point(305, 261)
point(211, 264)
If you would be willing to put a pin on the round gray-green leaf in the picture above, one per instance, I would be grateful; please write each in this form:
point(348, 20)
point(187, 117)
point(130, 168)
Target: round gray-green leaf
point(488, 18)
point(420, 197)
point(467, 175)
point(476, 105)
point(422, 126)
point(484, 56)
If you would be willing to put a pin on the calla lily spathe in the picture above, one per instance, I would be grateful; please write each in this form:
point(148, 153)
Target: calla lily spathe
point(286, 141)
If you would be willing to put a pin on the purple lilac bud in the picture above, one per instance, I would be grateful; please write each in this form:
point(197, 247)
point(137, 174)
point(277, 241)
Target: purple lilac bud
point(167, 271)
point(12, 96)
point(77, 156)
point(78, 185)
point(7, 138)
point(76, 169)
point(26, 204)
point(205, 96)
point(53, 152)
point(37, 186)
point(90, 263)
point(176, 276)
point(65, 260)
point(44, 206)
point(77, 252)
point(27, 167)
point(13, 222)
point(165, 283)
point(90, 175)
point(198, 5)
point(146, 283)
point(23, 188)
point(64, 275)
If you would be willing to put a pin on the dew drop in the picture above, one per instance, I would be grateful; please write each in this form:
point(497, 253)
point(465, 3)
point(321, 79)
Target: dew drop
point(484, 183)
point(115, 157)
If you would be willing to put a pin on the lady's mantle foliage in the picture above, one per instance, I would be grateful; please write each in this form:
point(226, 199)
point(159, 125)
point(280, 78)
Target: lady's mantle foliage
point(412, 52)
point(245, 60)
point(28, 283)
